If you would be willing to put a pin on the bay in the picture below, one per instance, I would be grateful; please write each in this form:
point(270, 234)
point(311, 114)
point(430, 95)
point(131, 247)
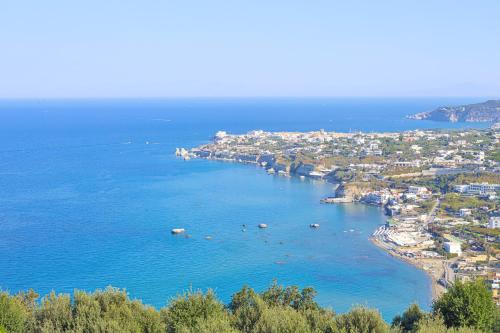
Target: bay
point(90, 189)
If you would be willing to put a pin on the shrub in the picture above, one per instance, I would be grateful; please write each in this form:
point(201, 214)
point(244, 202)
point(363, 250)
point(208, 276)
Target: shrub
point(280, 319)
point(193, 310)
point(54, 314)
point(467, 304)
point(361, 320)
point(408, 321)
point(12, 314)
point(436, 325)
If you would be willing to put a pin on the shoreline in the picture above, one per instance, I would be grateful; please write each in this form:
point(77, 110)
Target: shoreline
point(433, 268)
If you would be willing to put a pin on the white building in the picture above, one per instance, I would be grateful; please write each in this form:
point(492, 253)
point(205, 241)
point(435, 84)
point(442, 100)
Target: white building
point(453, 247)
point(417, 190)
point(220, 135)
point(407, 164)
point(463, 212)
point(494, 222)
point(477, 189)
point(376, 198)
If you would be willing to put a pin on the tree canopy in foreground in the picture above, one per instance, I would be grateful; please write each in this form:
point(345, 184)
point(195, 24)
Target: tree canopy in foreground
point(465, 308)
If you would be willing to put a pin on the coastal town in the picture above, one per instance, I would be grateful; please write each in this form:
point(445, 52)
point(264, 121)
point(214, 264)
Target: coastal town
point(438, 188)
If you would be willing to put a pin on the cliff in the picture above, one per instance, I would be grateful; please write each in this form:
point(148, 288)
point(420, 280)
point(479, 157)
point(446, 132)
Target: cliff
point(488, 111)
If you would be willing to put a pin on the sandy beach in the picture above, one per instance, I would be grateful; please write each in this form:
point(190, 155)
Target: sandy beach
point(433, 267)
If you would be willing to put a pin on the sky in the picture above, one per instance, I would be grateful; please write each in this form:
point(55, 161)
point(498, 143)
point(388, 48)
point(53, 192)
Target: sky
point(147, 48)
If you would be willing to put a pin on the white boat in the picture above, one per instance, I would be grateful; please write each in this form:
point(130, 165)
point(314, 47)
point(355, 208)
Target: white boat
point(262, 225)
point(177, 231)
point(314, 225)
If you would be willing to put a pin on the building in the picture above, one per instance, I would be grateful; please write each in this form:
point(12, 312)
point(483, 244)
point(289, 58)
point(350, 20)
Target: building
point(407, 164)
point(461, 188)
point(453, 247)
point(477, 189)
point(376, 198)
point(494, 222)
point(463, 212)
point(418, 190)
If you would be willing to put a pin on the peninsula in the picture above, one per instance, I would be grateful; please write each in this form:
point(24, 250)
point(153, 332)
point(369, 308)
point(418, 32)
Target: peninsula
point(439, 188)
point(488, 111)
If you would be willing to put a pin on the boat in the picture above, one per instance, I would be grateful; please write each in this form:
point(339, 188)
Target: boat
point(262, 225)
point(177, 231)
point(314, 225)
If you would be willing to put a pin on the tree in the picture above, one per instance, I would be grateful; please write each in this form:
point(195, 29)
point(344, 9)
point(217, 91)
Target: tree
point(191, 311)
point(467, 304)
point(292, 296)
point(436, 325)
point(12, 314)
point(408, 321)
point(281, 320)
point(112, 310)
point(54, 314)
point(247, 308)
point(361, 320)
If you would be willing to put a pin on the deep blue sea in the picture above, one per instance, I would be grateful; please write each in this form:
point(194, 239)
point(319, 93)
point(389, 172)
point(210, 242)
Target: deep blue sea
point(90, 189)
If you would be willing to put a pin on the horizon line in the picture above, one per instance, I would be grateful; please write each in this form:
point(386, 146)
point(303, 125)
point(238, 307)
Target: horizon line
point(5, 98)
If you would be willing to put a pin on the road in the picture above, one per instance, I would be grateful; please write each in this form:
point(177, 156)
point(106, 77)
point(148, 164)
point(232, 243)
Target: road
point(432, 212)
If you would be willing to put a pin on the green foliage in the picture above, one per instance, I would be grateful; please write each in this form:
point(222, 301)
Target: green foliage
point(190, 311)
point(281, 320)
point(278, 295)
point(484, 231)
point(436, 325)
point(466, 308)
point(12, 314)
point(453, 202)
point(361, 320)
point(467, 304)
point(54, 314)
point(112, 310)
point(408, 321)
point(247, 308)
point(482, 177)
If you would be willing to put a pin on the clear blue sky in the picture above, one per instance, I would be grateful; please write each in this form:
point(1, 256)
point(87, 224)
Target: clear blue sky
point(113, 48)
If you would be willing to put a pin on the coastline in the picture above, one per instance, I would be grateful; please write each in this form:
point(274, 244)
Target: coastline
point(432, 267)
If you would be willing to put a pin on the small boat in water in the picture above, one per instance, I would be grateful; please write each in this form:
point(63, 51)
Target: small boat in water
point(177, 231)
point(262, 225)
point(314, 225)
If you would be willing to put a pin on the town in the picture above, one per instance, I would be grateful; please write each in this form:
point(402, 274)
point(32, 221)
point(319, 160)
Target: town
point(439, 188)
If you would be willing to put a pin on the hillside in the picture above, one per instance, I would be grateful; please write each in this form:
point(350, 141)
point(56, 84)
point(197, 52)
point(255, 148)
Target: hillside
point(488, 111)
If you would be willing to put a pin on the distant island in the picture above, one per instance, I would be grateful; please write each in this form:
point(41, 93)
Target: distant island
point(488, 111)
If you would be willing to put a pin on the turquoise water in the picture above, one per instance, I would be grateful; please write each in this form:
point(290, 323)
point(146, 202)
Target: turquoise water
point(89, 191)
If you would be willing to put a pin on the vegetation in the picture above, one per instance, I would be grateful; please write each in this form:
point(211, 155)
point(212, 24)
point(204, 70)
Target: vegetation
point(452, 202)
point(467, 304)
point(446, 183)
point(466, 308)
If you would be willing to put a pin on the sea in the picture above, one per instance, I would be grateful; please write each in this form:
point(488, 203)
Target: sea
point(90, 190)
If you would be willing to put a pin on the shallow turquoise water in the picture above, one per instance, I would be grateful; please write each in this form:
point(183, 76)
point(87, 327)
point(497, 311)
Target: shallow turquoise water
point(89, 191)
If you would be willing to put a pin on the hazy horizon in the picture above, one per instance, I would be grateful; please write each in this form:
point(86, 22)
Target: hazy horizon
point(196, 49)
